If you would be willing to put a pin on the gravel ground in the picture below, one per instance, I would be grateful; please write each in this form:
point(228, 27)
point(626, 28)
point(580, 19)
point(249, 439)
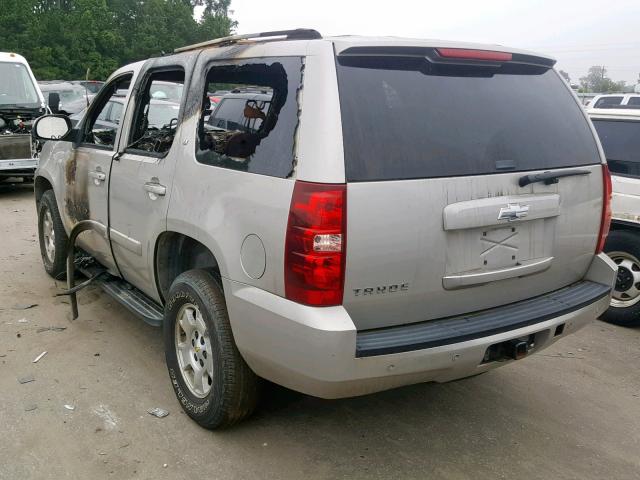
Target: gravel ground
point(572, 411)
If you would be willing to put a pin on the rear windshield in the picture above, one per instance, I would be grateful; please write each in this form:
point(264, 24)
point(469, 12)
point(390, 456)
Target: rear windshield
point(621, 143)
point(404, 118)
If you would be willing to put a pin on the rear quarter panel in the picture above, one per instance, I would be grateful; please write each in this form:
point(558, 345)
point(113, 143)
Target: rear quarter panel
point(221, 207)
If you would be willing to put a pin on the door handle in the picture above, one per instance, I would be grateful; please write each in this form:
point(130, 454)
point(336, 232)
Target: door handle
point(155, 189)
point(98, 176)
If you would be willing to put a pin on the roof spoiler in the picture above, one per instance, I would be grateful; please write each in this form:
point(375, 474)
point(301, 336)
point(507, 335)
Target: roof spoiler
point(450, 55)
point(296, 34)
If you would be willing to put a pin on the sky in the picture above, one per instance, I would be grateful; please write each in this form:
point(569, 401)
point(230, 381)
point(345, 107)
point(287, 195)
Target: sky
point(578, 34)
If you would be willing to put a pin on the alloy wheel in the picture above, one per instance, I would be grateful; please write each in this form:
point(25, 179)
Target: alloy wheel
point(627, 289)
point(193, 350)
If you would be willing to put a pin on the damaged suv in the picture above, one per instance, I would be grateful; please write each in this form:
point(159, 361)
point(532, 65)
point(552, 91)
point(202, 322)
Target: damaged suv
point(301, 233)
point(21, 102)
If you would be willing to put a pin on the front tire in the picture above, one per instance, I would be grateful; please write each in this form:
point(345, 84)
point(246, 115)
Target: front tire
point(52, 236)
point(214, 385)
point(624, 249)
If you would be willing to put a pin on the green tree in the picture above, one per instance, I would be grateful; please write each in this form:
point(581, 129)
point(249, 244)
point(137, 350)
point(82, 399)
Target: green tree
point(596, 81)
point(61, 39)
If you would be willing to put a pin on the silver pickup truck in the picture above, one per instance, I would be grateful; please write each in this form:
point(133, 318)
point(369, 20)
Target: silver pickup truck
point(21, 102)
point(337, 215)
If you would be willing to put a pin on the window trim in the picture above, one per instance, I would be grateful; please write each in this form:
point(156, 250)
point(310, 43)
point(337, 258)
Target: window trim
point(201, 84)
point(92, 110)
point(141, 87)
point(595, 119)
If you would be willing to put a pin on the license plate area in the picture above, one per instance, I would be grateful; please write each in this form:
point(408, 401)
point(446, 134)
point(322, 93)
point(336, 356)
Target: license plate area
point(481, 239)
point(486, 249)
point(481, 256)
point(500, 247)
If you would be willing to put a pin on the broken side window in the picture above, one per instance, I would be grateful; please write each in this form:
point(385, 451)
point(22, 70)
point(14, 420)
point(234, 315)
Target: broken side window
point(249, 116)
point(157, 112)
point(99, 130)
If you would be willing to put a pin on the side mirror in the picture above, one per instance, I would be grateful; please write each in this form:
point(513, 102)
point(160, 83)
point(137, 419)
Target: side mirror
point(51, 127)
point(54, 102)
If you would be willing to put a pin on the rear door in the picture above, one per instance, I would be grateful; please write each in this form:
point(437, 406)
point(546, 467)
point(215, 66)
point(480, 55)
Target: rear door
point(436, 152)
point(142, 175)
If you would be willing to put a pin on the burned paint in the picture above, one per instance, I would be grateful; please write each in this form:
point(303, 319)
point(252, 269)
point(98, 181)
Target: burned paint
point(77, 210)
point(76, 191)
point(294, 147)
point(194, 102)
point(70, 170)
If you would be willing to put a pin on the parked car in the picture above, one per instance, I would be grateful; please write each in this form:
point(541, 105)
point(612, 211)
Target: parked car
point(619, 132)
point(73, 98)
point(161, 114)
point(229, 112)
point(616, 100)
point(215, 97)
point(21, 102)
point(162, 90)
point(92, 86)
point(328, 243)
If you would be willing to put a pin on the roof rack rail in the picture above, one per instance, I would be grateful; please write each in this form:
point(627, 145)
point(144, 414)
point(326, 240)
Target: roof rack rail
point(296, 34)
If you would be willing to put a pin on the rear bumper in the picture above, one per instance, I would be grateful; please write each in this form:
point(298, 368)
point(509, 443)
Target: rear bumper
point(314, 350)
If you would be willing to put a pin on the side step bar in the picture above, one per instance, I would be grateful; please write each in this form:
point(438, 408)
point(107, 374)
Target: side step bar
point(124, 293)
point(127, 295)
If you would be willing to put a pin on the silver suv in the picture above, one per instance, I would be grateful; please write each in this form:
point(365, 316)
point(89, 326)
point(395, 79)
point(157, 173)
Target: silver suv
point(354, 215)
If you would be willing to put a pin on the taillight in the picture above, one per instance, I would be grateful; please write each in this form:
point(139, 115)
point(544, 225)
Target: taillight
point(469, 54)
point(606, 208)
point(315, 244)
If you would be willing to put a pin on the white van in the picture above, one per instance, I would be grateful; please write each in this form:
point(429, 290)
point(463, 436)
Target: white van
point(21, 102)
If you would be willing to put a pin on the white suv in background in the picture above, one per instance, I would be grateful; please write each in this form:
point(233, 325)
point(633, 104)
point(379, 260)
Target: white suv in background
point(616, 100)
point(21, 102)
point(619, 132)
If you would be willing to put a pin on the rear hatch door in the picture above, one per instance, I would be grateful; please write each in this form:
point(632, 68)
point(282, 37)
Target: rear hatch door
point(442, 219)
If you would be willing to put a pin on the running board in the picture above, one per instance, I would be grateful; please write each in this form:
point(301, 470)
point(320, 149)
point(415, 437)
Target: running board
point(127, 295)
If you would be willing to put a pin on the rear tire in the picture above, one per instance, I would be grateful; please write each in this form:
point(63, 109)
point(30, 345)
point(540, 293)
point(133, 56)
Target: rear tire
point(52, 236)
point(214, 385)
point(623, 246)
